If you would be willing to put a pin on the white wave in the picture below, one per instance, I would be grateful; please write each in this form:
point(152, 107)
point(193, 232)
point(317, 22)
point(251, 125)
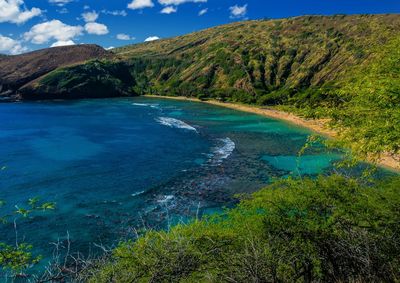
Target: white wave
point(146, 105)
point(175, 123)
point(224, 151)
point(136, 194)
point(165, 199)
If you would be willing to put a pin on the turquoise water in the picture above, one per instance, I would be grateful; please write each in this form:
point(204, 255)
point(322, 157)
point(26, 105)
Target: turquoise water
point(116, 165)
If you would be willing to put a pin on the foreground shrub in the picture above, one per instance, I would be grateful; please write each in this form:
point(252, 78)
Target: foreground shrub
point(331, 229)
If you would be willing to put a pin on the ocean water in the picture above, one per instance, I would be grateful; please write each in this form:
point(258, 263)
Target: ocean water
point(114, 166)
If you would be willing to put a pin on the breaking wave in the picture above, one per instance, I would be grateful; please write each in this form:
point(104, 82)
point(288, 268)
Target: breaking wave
point(165, 199)
point(146, 105)
point(175, 123)
point(224, 151)
point(137, 194)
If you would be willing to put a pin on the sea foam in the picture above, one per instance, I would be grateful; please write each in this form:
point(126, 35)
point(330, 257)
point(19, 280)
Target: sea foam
point(146, 105)
point(175, 123)
point(137, 194)
point(165, 199)
point(224, 151)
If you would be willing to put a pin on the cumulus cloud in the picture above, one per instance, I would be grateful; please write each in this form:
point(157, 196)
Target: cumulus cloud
point(238, 11)
point(90, 16)
point(14, 11)
point(169, 10)
point(96, 28)
point(63, 43)
point(60, 2)
point(140, 4)
point(123, 36)
point(11, 46)
point(52, 30)
point(203, 12)
point(179, 2)
point(151, 38)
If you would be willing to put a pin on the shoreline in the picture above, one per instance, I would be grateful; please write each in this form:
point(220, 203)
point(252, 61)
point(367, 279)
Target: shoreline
point(317, 126)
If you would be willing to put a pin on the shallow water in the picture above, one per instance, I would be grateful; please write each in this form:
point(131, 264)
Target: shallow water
point(113, 165)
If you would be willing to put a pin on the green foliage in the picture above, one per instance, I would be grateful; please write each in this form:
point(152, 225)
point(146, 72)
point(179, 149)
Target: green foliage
point(17, 258)
point(331, 229)
point(368, 122)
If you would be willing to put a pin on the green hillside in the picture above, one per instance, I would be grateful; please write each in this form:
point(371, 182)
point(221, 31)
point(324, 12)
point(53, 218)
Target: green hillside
point(265, 62)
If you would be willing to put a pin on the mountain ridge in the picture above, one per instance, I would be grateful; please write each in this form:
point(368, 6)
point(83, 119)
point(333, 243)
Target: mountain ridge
point(268, 62)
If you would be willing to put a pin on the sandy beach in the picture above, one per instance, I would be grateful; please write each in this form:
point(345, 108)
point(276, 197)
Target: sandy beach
point(318, 126)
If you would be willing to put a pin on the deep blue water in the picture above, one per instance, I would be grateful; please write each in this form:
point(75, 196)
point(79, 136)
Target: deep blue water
point(116, 164)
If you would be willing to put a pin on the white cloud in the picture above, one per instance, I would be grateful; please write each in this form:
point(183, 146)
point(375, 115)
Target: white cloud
point(151, 38)
point(178, 2)
point(169, 10)
point(86, 7)
point(60, 2)
point(55, 29)
point(238, 11)
point(11, 11)
point(90, 16)
point(63, 43)
point(109, 48)
point(96, 28)
point(203, 12)
point(11, 46)
point(122, 13)
point(123, 36)
point(140, 4)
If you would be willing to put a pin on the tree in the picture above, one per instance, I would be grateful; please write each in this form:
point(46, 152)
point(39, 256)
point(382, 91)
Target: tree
point(17, 258)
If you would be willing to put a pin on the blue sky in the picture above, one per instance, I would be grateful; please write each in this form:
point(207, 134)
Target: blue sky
point(27, 25)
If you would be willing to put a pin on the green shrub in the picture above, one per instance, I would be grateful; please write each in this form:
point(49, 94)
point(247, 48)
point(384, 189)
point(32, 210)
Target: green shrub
point(331, 229)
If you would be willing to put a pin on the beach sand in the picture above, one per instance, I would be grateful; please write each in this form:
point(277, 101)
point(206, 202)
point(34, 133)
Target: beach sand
point(318, 126)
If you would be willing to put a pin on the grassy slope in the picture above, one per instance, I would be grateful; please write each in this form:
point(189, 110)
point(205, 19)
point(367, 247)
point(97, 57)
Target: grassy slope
point(264, 62)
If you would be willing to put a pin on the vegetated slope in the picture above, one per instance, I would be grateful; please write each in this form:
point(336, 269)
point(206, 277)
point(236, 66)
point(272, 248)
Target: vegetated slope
point(265, 62)
point(19, 70)
point(94, 79)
